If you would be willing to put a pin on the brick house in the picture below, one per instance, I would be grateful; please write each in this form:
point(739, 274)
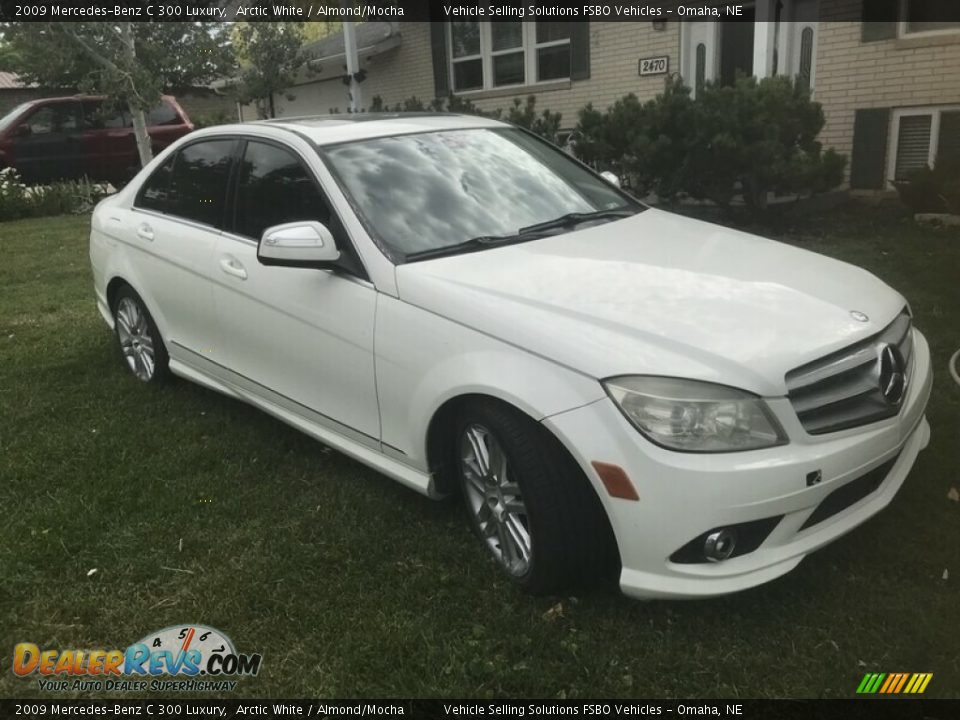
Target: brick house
point(887, 75)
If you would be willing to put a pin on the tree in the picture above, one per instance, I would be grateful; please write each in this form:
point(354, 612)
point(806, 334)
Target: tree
point(132, 63)
point(270, 55)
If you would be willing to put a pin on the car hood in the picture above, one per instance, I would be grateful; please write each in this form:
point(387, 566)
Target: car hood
point(658, 293)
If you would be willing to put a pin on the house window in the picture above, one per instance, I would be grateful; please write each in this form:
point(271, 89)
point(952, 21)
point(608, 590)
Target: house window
point(924, 137)
point(487, 55)
point(467, 61)
point(552, 50)
point(922, 16)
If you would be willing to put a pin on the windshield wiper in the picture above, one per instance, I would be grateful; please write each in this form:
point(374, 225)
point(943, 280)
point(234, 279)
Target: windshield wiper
point(531, 232)
point(575, 218)
point(476, 243)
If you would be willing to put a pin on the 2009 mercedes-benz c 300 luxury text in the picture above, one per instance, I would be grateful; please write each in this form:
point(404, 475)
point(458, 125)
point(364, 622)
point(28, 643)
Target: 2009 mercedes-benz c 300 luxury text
point(468, 309)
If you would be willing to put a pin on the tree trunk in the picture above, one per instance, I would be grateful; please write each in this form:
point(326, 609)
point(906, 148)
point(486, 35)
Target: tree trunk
point(136, 111)
point(140, 133)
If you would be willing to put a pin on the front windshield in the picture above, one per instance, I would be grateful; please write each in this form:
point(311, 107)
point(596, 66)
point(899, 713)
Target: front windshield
point(12, 115)
point(433, 190)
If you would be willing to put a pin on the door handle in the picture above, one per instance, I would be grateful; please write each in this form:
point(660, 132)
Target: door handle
point(231, 266)
point(145, 232)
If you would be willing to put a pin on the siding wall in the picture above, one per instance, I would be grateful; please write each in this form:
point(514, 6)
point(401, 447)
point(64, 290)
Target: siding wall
point(894, 73)
point(407, 71)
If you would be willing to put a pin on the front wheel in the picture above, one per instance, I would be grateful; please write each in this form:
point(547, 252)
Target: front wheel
point(141, 346)
point(529, 502)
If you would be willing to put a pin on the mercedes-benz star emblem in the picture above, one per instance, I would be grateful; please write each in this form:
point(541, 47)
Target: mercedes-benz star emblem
point(859, 316)
point(893, 379)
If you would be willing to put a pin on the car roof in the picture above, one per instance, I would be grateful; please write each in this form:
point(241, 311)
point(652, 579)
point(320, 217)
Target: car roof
point(331, 129)
point(76, 98)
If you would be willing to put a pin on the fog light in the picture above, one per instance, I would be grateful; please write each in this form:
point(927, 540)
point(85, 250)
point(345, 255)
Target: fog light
point(719, 545)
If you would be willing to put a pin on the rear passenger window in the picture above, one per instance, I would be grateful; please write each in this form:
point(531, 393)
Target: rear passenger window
point(275, 188)
point(155, 193)
point(192, 185)
point(163, 114)
point(98, 115)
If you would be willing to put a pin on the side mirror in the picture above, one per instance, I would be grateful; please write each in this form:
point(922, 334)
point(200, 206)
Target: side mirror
point(303, 244)
point(22, 131)
point(610, 178)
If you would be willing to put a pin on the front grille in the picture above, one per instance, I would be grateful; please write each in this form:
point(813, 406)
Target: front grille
point(843, 389)
point(849, 494)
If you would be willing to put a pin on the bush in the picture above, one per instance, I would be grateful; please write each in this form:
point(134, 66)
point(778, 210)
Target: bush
point(18, 200)
point(934, 190)
point(219, 117)
point(750, 139)
point(546, 124)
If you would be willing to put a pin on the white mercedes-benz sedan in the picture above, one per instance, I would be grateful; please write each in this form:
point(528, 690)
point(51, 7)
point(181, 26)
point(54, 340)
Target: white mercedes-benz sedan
point(467, 309)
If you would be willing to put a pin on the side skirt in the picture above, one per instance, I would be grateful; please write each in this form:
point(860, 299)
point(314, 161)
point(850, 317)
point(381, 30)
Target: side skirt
point(363, 449)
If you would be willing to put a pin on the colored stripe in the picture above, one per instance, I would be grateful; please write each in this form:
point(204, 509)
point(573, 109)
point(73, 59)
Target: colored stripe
point(862, 687)
point(886, 685)
point(911, 683)
point(926, 681)
point(902, 681)
point(876, 683)
point(891, 683)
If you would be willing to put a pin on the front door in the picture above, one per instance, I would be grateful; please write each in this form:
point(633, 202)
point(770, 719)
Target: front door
point(300, 338)
point(51, 146)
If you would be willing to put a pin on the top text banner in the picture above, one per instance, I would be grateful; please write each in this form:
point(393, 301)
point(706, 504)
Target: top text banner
point(421, 10)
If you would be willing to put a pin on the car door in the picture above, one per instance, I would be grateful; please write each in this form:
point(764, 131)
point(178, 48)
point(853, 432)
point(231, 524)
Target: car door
point(51, 146)
point(109, 147)
point(300, 338)
point(173, 228)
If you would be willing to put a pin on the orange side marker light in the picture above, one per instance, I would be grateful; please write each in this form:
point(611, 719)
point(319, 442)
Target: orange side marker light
point(615, 480)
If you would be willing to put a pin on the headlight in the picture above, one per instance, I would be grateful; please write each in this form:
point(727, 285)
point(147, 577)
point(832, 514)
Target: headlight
point(695, 416)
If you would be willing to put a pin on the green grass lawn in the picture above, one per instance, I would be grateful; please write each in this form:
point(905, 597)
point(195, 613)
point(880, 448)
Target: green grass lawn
point(195, 508)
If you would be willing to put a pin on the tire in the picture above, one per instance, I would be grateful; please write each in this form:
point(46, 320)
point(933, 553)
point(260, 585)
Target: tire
point(141, 347)
point(531, 505)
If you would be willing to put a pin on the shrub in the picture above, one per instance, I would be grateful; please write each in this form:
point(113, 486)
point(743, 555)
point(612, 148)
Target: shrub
point(546, 124)
point(934, 190)
point(751, 139)
point(219, 117)
point(18, 200)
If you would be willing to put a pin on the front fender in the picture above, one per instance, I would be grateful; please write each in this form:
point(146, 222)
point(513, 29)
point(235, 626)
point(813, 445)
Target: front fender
point(425, 360)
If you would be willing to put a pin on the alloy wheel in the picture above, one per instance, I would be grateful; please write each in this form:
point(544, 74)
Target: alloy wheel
point(133, 331)
point(494, 499)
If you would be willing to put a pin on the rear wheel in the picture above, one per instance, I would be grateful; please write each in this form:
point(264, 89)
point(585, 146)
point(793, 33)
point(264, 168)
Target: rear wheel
point(529, 503)
point(141, 346)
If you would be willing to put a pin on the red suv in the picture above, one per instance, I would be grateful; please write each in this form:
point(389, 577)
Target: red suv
point(71, 137)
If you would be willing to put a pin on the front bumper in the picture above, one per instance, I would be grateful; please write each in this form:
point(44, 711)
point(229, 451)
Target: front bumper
point(683, 495)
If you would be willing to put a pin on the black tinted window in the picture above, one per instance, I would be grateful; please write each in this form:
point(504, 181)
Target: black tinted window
point(195, 186)
point(155, 193)
point(163, 114)
point(55, 119)
point(99, 115)
point(275, 188)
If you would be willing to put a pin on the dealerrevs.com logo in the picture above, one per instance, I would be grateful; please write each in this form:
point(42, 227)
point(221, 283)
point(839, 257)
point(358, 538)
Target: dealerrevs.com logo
point(177, 658)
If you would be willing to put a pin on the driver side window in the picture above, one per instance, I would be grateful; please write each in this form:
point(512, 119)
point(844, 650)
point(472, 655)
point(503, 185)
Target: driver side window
point(50, 119)
point(275, 188)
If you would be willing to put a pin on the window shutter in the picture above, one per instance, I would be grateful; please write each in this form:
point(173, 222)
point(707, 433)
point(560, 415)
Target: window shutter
point(580, 51)
point(441, 64)
point(869, 157)
point(879, 20)
point(806, 58)
point(913, 144)
point(948, 149)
